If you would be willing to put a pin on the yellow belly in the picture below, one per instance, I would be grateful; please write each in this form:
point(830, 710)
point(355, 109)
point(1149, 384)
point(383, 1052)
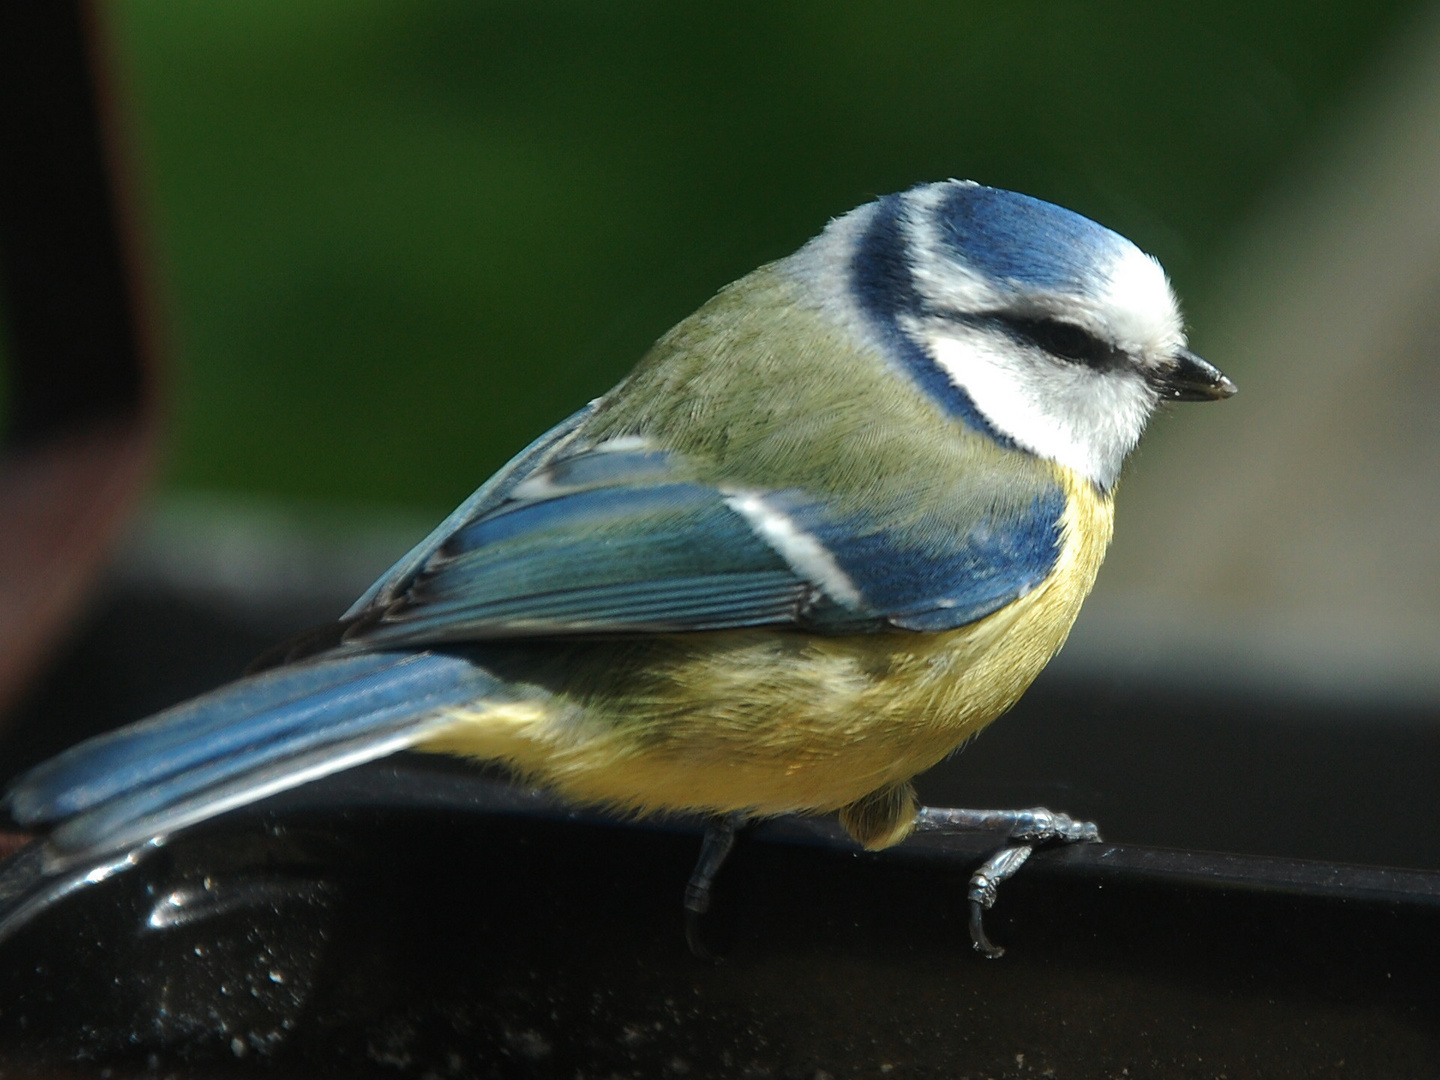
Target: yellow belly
point(772, 722)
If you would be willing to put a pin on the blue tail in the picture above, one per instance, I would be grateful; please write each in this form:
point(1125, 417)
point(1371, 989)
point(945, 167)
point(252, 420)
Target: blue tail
point(238, 744)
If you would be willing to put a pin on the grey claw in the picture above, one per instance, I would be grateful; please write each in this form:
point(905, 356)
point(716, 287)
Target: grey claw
point(984, 883)
point(1023, 831)
point(983, 945)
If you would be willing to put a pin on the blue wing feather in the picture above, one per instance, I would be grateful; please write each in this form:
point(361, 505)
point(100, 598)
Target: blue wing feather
point(487, 495)
point(606, 539)
point(614, 543)
point(929, 574)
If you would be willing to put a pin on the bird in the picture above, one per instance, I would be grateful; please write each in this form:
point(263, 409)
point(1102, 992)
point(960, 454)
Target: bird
point(832, 525)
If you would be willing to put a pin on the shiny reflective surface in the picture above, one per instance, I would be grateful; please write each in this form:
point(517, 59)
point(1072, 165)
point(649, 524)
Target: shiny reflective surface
point(460, 929)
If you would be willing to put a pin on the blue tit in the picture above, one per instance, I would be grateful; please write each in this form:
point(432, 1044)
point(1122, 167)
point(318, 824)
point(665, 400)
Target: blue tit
point(833, 524)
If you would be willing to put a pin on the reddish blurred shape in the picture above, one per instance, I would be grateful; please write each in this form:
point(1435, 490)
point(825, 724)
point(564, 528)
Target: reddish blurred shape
point(62, 505)
point(81, 426)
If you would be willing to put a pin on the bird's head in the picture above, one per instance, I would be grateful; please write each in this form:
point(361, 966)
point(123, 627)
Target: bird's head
point(1030, 322)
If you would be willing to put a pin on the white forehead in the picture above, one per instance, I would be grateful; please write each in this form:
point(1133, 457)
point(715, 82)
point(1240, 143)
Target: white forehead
point(1135, 301)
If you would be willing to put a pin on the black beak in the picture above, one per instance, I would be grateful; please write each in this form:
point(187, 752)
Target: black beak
point(1194, 379)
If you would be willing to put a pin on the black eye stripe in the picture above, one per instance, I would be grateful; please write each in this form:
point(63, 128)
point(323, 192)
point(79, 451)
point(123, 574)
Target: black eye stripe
point(1062, 339)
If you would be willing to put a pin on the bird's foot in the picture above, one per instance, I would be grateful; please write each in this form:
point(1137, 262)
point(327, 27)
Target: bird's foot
point(715, 848)
point(1024, 830)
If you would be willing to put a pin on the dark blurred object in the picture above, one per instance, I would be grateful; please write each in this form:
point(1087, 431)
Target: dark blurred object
point(79, 432)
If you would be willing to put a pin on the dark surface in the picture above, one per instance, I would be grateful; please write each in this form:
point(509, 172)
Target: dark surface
point(428, 943)
point(451, 928)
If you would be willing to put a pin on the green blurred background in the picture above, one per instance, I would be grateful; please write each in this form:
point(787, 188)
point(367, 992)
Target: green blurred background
point(394, 240)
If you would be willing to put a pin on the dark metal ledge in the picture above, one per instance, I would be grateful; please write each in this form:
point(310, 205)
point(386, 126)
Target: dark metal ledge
point(415, 920)
point(416, 782)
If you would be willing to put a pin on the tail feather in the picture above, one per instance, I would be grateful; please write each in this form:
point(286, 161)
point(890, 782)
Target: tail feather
point(205, 727)
point(258, 736)
point(135, 819)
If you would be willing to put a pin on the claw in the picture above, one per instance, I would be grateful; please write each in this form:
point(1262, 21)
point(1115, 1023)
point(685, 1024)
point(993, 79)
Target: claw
point(694, 941)
point(1024, 829)
point(984, 884)
point(714, 849)
point(983, 945)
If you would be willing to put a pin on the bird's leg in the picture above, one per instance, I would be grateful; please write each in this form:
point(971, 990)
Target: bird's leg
point(1024, 830)
point(714, 850)
point(1036, 825)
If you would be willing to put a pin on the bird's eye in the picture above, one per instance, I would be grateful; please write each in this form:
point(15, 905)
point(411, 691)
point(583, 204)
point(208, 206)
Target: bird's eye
point(1062, 339)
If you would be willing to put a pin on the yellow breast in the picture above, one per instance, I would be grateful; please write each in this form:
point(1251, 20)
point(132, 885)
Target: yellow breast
point(771, 722)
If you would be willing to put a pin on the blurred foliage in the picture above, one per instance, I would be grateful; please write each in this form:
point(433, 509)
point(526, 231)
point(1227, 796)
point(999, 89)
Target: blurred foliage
point(398, 239)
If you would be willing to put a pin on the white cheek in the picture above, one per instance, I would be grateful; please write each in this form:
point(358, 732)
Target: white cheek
point(1085, 420)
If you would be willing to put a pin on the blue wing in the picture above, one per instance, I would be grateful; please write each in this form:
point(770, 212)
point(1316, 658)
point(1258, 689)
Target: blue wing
point(620, 537)
point(489, 494)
